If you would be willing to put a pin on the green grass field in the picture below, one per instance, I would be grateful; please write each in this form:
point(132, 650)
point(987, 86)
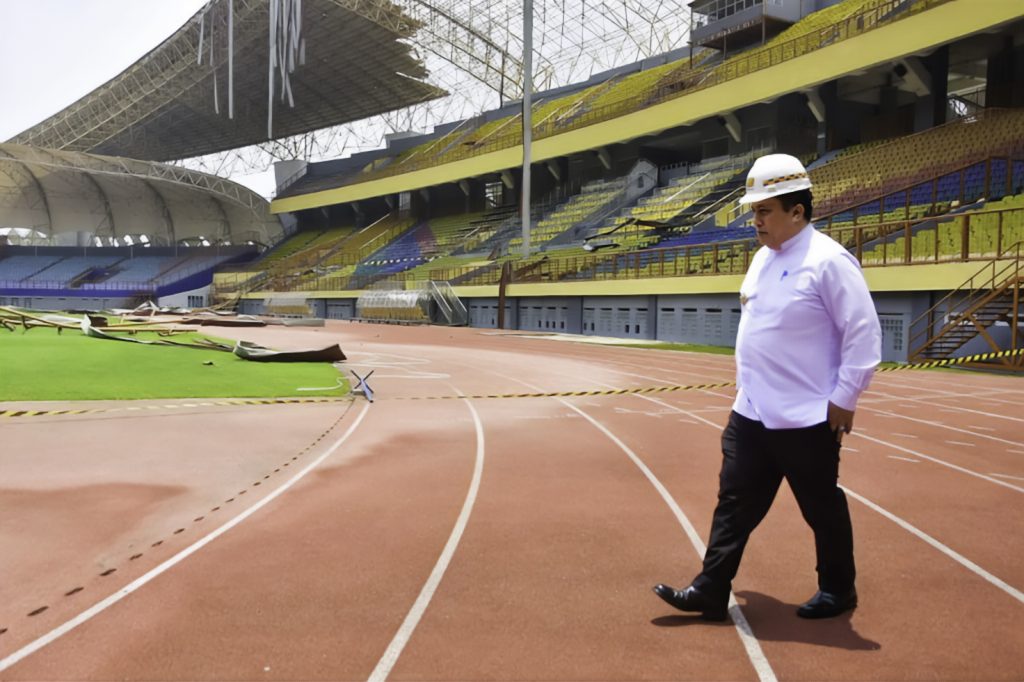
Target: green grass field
point(40, 365)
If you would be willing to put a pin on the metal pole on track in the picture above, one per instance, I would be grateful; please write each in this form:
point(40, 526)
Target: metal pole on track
point(527, 118)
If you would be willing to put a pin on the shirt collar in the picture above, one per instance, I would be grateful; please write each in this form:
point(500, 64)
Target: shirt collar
point(800, 236)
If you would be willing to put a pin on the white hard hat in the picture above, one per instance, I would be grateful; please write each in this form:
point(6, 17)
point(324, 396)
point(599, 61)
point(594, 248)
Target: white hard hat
point(774, 175)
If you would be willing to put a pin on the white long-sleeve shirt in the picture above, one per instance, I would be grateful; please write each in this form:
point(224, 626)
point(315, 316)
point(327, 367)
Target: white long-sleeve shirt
point(808, 335)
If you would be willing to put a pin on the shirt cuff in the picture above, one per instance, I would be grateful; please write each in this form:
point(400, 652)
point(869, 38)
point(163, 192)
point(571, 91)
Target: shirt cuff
point(845, 397)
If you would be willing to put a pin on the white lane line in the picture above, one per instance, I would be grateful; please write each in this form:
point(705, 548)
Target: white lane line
point(960, 442)
point(1016, 452)
point(401, 638)
point(1012, 591)
point(1015, 478)
point(753, 648)
point(982, 428)
point(904, 435)
point(883, 413)
point(959, 558)
point(905, 459)
point(962, 560)
point(943, 462)
point(101, 606)
point(873, 395)
point(847, 448)
point(746, 634)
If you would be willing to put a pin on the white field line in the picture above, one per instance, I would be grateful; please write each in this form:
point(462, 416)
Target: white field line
point(943, 462)
point(394, 650)
point(892, 415)
point(895, 415)
point(1009, 589)
point(1015, 478)
point(959, 558)
point(101, 606)
point(953, 408)
point(941, 425)
point(750, 644)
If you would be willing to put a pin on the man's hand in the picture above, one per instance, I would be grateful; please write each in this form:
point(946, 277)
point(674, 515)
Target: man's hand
point(840, 421)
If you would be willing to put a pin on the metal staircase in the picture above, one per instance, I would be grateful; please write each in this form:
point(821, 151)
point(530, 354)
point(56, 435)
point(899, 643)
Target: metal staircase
point(451, 309)
point(991, 295)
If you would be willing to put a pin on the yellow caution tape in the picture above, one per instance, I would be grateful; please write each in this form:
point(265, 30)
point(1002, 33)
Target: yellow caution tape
point(12, 414)
point(981, 357)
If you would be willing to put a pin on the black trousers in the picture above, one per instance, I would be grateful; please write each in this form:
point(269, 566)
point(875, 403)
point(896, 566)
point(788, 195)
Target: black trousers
point(755, 460)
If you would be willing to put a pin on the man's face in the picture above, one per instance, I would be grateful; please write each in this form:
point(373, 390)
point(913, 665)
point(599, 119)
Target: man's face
point(774, 224)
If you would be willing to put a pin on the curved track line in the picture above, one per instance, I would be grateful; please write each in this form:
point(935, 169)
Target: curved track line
point(886, 397)
point(955, 556)
point(944, 426)
point(753, 648)
point(97, 608)
point(750, 643)
point(943, 462)
point(401, 638)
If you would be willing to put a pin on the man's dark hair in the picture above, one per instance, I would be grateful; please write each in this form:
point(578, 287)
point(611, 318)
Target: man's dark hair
point(804, 197)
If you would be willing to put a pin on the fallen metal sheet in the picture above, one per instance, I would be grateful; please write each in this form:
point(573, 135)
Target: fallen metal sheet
point(247, 350)
point(223, 322)
point(295, 321)
point(204, 344)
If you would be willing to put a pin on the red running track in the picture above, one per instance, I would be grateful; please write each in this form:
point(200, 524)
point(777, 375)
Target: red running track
point(500, 539)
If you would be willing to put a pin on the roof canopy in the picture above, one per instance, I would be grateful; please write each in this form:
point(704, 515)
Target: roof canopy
point(174, 102)
point(69, 193)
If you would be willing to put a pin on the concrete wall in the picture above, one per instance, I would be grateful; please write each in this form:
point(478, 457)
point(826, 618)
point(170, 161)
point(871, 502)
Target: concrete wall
point(196, 298)
point(707, 319)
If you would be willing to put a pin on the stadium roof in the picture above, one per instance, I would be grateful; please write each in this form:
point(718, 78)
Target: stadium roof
point(174, 102)
point(61, 192)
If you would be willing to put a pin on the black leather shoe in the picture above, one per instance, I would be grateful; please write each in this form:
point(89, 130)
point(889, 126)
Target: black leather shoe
point(828, 604)
point(692, 599)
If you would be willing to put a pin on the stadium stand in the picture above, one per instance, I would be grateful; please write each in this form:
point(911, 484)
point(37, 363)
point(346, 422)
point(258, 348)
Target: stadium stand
point(917, 161)
point(60, 270)
point(622, 95)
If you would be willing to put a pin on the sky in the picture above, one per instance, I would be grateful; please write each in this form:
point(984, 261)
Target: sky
point(55, 51)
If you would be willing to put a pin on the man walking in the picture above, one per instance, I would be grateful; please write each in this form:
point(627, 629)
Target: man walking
point(807, 345)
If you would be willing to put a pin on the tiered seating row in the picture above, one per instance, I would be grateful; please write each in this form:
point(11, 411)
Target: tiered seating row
point(592, 199)
point(854, 179)
point(635, 91)
point(107, 271)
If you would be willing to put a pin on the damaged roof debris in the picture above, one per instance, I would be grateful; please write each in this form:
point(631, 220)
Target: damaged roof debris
point(171, 322)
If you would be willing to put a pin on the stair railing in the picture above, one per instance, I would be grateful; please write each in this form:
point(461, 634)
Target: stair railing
point(958, 306)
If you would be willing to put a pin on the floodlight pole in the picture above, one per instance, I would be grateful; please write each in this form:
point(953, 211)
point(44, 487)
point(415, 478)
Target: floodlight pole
point(527, 118)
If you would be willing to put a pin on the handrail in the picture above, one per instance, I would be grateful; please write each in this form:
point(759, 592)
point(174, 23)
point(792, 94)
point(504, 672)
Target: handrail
point(732, 257)
point(1005, 267)
point(934, 179)
point(702, 77)
point(857, 237)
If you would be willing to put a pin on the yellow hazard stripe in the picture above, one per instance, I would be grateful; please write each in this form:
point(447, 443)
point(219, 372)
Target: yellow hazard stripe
point(17, 414)
point(981, 357)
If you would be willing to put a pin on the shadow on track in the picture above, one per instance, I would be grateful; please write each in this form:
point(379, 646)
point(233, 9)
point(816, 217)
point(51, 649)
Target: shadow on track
point(776, 621)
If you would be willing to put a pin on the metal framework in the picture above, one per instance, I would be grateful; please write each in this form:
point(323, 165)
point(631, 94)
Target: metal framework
point(63, 183)
point(168, 105)
point(473, 49)
point(372, 67)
